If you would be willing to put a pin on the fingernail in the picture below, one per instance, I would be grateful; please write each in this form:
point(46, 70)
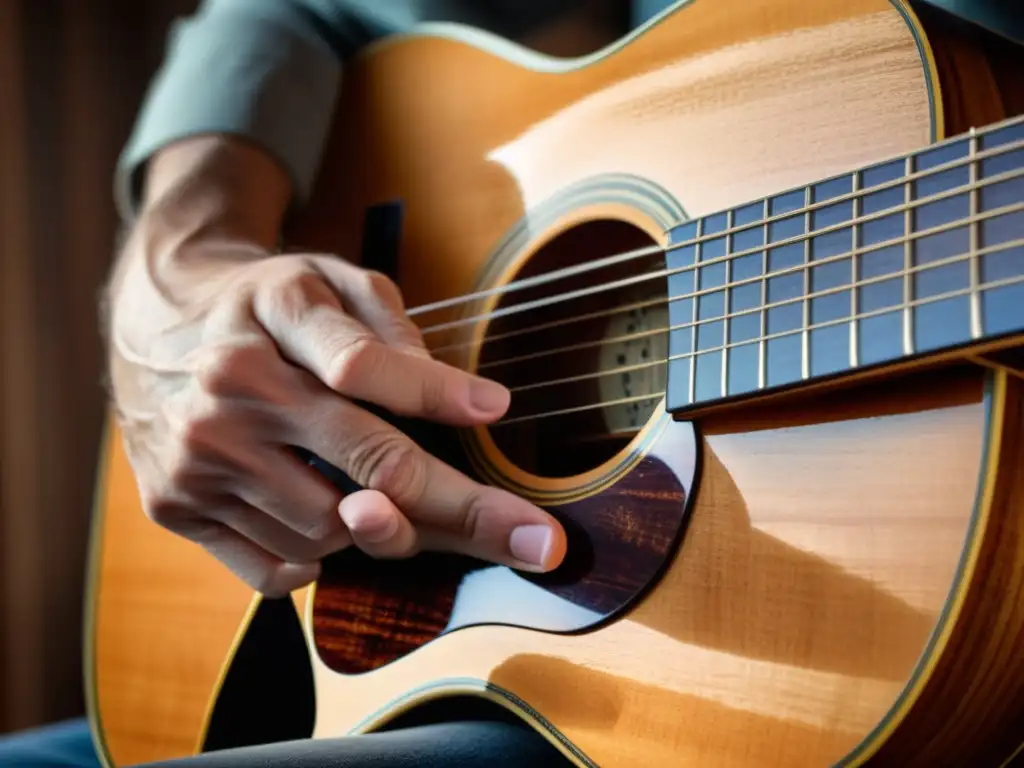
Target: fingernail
point(489, 396)
point(531, 544)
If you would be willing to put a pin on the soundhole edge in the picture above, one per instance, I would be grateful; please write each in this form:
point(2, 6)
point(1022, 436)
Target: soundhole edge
point(585, 357)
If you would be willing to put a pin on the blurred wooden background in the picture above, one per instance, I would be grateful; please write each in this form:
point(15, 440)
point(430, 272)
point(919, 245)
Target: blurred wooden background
point(72, 74)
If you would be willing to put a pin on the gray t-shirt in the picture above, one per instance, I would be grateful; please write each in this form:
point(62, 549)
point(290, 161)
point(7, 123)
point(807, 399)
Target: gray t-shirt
point(269, 70)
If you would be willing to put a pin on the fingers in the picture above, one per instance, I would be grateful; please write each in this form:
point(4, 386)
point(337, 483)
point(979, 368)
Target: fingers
point(294, 495)
point(310, 327)
point(461, 515)
point(262, 571)
point(276, 538)
point(375, 301)
point(415, 386)
point(225, 481)
point(377, 526)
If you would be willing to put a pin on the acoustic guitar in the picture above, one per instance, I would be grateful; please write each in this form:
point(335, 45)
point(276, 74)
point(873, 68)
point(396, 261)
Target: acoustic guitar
point(755, 277)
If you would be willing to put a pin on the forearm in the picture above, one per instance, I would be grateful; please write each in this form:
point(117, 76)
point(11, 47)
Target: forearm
point(216, 186)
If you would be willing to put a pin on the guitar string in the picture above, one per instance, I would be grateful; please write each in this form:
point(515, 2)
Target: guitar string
point(619, 309)
point(622, 309)
point(902, 307)
point(730, 316)
point(625, 282)
point(729, 257)
point(799, 268)
point(614, 259)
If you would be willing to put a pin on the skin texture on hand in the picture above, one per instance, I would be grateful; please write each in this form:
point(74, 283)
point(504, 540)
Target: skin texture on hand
point(223, 354)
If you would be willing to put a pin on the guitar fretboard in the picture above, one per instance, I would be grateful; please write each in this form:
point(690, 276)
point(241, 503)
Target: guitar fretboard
point(907, 257)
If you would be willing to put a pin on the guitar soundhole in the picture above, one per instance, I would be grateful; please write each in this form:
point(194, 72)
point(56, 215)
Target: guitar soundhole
point(586, 371)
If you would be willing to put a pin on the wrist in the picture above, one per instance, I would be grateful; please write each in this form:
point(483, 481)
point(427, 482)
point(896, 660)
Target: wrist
point(211, 206)
point(217, 187)
point(209, 202)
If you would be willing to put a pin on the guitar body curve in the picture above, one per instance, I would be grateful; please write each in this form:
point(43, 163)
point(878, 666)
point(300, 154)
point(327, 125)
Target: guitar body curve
point(800, 583)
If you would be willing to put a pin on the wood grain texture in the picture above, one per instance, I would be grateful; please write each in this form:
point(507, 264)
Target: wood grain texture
point(826, 534)
point(368, 613)
point(976, 690)
point(154, 661)
point(817, 561)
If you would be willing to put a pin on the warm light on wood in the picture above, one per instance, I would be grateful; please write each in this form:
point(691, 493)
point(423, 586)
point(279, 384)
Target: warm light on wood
point(849, 580)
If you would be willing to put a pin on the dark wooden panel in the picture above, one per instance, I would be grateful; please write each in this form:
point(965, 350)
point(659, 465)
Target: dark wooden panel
point(368, 613)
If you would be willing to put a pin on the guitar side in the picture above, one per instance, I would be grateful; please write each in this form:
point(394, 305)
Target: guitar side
point(823, 600)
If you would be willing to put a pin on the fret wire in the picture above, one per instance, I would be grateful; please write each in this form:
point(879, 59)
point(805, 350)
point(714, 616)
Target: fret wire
point(625, 282)
point(857, 236)
point(621, 257)
point(698, 252)
point(618, 258)
point(901, 240)
point(805, 334)
point(908, 260)
point(727, 302)
point(640, 398)
point(955, 259)
point(938, 263)
point(762, 361)
point(973, 265)
point(1006, 281)
point(729, 345)
point(853, 319)
point(916, 176)
point(881, 187)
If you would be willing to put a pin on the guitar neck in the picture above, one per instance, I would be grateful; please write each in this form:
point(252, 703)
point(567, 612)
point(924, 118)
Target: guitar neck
point(906, 260)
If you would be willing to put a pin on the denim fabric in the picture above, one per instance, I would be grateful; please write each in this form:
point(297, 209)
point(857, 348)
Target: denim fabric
point(438, 745)
point(66, 744)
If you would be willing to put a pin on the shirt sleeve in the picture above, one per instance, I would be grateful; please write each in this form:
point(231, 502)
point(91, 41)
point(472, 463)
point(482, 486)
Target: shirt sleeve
point(264, 70)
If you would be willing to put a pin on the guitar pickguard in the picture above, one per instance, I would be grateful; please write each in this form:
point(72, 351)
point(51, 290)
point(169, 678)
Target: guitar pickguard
point(368, 613)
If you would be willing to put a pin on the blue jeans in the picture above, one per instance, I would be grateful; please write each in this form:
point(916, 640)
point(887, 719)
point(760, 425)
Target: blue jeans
point(67, 744)
point(440, 745)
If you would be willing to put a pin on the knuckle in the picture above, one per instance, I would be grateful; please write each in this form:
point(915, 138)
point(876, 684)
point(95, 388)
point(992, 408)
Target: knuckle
point(469, 516)
point(200, 456)
point(390, 464)
point(308, 285)
point(433, 396)
point(294, 293)
point(197, 438)
point(164, 510)
point(323, 532)
point(183, 474)
point(381, 286)
point(355, 361)
point(224, 370)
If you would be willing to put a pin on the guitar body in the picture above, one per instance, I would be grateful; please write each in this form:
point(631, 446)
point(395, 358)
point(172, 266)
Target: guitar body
point(830, 577)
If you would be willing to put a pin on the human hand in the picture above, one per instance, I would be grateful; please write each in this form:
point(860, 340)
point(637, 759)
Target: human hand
point(218, 371)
